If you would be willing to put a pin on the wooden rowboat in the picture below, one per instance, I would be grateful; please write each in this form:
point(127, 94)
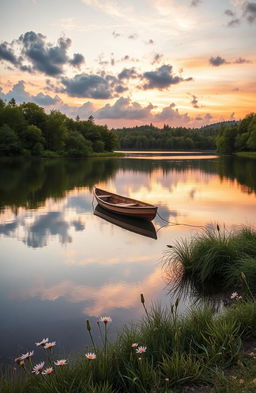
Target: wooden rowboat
point(124, 206)
point(136, 225)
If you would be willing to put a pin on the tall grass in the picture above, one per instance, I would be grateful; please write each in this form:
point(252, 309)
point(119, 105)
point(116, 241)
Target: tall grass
point(180, 351)
point(216, 256)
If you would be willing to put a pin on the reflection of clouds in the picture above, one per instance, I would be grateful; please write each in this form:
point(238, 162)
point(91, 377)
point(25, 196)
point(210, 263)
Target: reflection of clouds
point(104, 299)
point(35, 231)
point(72, 257)
point(79, 203)
point(9, 228)
point(48, 225)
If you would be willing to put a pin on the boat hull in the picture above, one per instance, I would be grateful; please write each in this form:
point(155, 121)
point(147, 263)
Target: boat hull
point(141, 227)
point(146, 212)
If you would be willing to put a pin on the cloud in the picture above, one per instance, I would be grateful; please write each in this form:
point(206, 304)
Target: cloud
point(128, 73)
point(217, 61)
point(241, 60)
point(194, 102)
point(34, 54)
point(19, 93)
point(250, 11)
point(124, 108)
point(162, 78)
point(247, 10)
point(234, 22)
point(91, 86)
point(77, 60)
point(169, 113)
point(115, 34)
point(195, 3)
point(150, 42)
point(229, 12)
point(133, 36)
point(157, 58)
point(7, 54)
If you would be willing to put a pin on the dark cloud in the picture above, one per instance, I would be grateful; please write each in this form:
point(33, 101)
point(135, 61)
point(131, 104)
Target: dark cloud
point(157, 58)
point(124, 108)
point(43, 56)
point(128, 73)
point(234, 22)
point(90, 86)
point(194, 102)
point(34, 54)
point(229, 12)
point(115, 34)
point(133, 36)
point(250, 12)
point(195, 3)
point(217, 61)
point(150, 42)
point(162, 78)
point(19, 93)
point(77, 60)
point(7, 54)
point(241, 60)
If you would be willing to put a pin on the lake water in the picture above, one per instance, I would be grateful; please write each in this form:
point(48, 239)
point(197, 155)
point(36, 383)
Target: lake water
point(61, 264)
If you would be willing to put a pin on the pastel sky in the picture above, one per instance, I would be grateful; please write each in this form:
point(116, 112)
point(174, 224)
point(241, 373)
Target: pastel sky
point(131, 62)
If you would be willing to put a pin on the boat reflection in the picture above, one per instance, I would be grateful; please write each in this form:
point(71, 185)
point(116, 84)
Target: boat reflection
point(142, 227)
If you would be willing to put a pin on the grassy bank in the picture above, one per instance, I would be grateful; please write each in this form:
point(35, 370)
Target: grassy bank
point(246, 154)
point(218, 257)
point(174, 354)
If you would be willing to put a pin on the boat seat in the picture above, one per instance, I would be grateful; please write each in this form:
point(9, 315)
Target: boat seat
point(104, 196)
point(125, 204)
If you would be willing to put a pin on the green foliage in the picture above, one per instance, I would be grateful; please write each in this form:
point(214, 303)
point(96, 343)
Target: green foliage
point(181, 368)
point(241, 137)
point(32, 132)
point(217, 256)
point(149, 137)
point(9, 142)
point(191, 350)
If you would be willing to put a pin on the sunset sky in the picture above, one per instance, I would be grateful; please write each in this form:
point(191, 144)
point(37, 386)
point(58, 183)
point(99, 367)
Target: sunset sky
point(131, 62)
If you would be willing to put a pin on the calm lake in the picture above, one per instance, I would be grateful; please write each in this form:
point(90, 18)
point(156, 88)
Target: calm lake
point(62, 264)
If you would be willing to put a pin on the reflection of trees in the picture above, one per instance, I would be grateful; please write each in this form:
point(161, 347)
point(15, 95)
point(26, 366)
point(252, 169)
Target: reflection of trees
point(240, 169)
point(234, 168)
point(30, 183)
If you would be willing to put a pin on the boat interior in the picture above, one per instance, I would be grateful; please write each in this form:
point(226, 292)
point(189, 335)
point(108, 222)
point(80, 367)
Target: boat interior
point(118, 200)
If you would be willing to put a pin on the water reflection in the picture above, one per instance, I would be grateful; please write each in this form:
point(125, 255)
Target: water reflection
point(61, 264)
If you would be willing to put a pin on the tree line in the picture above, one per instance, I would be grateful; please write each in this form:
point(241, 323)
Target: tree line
point(26, 130)
point(149, 137)
point(238, 137)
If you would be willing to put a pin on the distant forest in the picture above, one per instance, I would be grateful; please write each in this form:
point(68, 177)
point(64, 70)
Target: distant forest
point(225, 137)
point(26, 130)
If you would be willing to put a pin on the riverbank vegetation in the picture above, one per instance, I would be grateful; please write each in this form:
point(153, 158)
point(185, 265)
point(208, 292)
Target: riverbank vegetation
point(216, 257)
point(26, 130)
point(164, 353)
